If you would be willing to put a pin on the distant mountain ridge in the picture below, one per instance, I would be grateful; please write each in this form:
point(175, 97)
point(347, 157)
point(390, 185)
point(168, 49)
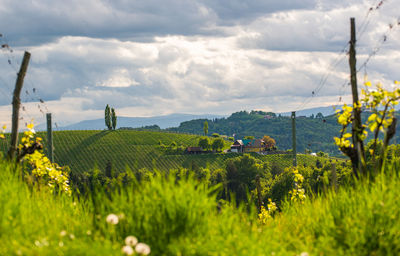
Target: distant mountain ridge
point(167, 121)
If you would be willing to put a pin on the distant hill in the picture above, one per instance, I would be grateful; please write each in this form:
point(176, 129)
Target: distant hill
point(312, 133)
point(163, 122)
point(325, 111)
point(167, 121)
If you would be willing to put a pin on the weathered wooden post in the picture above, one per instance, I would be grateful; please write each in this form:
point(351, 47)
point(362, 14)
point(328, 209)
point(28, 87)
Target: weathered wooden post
point(359, 165)
point(294, 138)
point(49, 138)
point(16, 103)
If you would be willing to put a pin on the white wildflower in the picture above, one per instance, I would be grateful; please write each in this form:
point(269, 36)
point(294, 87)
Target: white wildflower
point(112, 219)
point(142, 249)
point(127, 250)
point(63, 233)
point(304, 254)
point(131, 240)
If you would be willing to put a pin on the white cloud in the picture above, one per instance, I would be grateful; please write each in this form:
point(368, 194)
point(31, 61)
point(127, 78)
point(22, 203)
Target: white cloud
point(119, 78)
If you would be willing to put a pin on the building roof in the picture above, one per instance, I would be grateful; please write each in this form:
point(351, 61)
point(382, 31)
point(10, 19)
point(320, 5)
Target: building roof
point(253, 143)
point(194, 149)
point(247, 142)
point(238, 142)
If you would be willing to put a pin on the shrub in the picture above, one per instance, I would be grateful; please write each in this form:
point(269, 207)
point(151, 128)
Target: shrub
point(215, 135)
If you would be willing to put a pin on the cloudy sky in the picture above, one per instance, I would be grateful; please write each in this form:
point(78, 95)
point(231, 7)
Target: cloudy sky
point(157, 57)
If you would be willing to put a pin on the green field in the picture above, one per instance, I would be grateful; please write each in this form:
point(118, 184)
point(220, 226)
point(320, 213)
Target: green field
point(83, 150)
point(181, 217)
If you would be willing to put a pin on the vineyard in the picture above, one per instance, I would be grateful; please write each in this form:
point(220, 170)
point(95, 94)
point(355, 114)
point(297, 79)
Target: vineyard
point(85, 150)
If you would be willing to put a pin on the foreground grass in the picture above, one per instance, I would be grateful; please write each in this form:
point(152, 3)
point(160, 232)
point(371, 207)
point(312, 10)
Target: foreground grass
point(364, 220)
point(33, 222)
point(182, 218)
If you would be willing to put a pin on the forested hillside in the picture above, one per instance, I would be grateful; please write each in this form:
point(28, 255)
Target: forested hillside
point(315, 133)
point(312, 133)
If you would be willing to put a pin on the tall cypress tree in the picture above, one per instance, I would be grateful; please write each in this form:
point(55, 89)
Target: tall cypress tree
point(113, 118)
point(107, 117)
point(205, 128)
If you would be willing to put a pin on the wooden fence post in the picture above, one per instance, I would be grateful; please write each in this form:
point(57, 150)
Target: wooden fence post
point(50, 138)
point(359, 164)
point(16, 103)
point(294, 138)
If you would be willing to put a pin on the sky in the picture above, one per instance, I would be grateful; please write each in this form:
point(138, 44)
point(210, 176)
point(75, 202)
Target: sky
point(157, 57)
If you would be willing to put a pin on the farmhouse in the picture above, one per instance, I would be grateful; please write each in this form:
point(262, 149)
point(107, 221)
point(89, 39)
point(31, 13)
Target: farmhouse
point(237, 146)
point(245, 146)
point(194, 150)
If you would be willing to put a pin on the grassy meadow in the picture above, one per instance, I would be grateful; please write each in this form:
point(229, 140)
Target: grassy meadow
point(181, 217)
point(173, 212)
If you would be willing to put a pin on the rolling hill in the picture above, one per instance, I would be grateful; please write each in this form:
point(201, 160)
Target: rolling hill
point(85, 150)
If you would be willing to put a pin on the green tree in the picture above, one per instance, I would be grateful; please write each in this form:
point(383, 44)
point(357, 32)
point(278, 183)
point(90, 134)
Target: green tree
point(280, 186)
point(215, 135)
point(218, 144)
point(249, 137)
point(322, 154)
point(113, 119)
point(269, 142)
point(240, 175)
point(107, 117)
point(205, 128)
point(204, 143)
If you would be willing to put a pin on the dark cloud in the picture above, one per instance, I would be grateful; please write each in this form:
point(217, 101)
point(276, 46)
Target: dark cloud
point(236, 11)
point(29, 23)
point(36, 22)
